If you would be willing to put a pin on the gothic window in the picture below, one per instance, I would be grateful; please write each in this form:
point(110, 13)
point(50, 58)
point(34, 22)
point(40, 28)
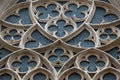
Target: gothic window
point(59, 40)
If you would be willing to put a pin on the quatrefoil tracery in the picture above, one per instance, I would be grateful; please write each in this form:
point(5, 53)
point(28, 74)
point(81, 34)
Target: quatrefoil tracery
point(107, 74)
point(77, 10)
point(23, 62)
point(107, 34)
point(58, 56)
point(60, 27)
point(66, 25)
point(18, 15)
point(6, 74)
point(92, 61)
point(57, 31)
point(46, 11)
point(12, 36)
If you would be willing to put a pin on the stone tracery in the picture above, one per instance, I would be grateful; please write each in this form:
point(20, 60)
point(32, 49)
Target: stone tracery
point(60, 40)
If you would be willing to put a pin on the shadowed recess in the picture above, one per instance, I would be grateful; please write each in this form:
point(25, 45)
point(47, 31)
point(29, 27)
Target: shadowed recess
point(118, 26)
point(74, 10)
point(100, 15)
point(59, 55)
point(114, 52)
point(21, 1)
point(5, 77)
point(74, 76)
point(39, 76)
point(23, 16)
point(2, 28)
point(4, 52)
point(109, 76)
point(49, 10)
point(62, 2)
point(57, 68)
point(38, 39)
point(44, 66)
point(80, 39)
point(105, 0)
point(24, 64)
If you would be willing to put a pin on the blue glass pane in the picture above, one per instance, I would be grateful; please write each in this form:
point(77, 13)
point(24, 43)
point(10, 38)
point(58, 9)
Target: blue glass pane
point(52, 28)
point(13, 32)
point(74, 76)
point(39, 76)
point(39, 38)
point(4, 52)
point(114, 52)
point(64, 58)
point(24, 16)
point(110, 17)
point(49, 10)
point(31, 44)
point(69, 28)
point(81, 38)
point(74, 10)
point(113, 36)
point(100, 15)
point(109, 76)
point(60, 25)
point(32, 64)
point(88, 43)
point(7, 37)
point(58, 55)
point(5, 77)
point(92, 65)
point(108, 31)
point(17, 37)
point(84, 63)
point(100, 63)
point(12, 19)
point(103, 36)
point(24, 64)
point(59, 52)
point(52, 58)
point(16, 64)
point(60, 28)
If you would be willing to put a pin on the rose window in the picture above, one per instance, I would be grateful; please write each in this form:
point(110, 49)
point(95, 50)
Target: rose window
point(59, 40)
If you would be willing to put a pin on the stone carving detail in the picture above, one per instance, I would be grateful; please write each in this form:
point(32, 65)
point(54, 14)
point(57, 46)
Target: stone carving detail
point(60, 40)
